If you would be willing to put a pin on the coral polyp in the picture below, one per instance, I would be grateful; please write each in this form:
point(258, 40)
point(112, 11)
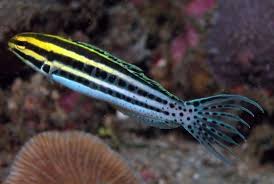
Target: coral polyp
point(71, 158)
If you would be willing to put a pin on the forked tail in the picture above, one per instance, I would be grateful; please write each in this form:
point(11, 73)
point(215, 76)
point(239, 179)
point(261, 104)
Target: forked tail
point(208, 121)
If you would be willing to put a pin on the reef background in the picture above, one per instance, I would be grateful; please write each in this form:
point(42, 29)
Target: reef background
point(194, 48)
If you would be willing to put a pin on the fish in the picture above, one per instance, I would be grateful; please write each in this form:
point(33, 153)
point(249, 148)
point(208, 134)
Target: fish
point(96, 73)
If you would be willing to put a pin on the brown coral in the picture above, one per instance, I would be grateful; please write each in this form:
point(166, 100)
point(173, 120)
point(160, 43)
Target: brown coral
point(72, 158)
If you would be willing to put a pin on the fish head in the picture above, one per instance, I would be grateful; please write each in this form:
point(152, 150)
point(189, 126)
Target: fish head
point(22, 46)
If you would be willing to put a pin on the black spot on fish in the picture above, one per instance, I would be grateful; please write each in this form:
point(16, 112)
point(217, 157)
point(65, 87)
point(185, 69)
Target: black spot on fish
point(103, 74)
point(113, 58)
point(134, 102)
point(131, 87)
point(151, 96)
point(111, 78)
point(62, 73)
point(88, 69)
point(158, 99)
point(71, 77)
point(121, 83)
point(86, 82)
point(97, 72)
point(99, 50)
point(118, 95)
point(109, 91)
point(92, 85)
point(81, 80)
point(101, 88)
point(142, 92)
point(128, 99)
point(171, 105)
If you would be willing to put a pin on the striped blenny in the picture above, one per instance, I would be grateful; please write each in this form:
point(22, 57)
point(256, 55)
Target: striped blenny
point(96, 73)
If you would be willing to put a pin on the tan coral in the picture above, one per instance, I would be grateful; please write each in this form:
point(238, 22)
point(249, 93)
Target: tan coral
point(70, 158)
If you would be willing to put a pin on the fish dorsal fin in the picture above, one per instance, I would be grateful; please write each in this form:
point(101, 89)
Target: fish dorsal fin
point(112, 58)
point(129, 67)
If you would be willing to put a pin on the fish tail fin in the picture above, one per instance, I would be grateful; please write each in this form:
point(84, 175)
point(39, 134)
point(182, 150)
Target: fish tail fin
point(207, 120)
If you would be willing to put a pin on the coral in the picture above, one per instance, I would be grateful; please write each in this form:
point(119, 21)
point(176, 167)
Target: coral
point(198, 8)
point(69, 157)
point(241, 43)
point(127, 35)
point(180, 45)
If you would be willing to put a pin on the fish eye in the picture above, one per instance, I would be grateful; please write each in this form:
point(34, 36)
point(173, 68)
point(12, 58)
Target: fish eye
point(45, 68)
point(20, 45)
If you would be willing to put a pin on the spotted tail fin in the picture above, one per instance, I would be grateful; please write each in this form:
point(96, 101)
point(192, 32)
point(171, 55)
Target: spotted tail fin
point(209, 121)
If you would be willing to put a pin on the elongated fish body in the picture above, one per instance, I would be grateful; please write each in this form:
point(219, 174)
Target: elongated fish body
point(98, 74)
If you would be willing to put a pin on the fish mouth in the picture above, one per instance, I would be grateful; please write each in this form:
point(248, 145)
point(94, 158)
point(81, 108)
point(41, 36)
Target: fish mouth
point(11, 44)
point(16, 44)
